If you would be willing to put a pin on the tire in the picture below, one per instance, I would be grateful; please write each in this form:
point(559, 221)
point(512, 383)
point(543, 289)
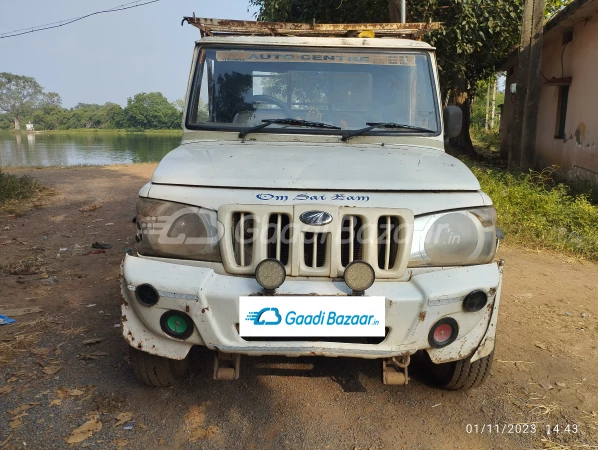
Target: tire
point(158, 371)
point(464, 374)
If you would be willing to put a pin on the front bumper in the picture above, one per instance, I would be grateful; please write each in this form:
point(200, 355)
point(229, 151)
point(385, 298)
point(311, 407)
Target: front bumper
point(212, 301)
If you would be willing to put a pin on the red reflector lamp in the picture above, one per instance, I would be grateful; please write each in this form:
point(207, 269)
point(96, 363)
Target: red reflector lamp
point(443, 333)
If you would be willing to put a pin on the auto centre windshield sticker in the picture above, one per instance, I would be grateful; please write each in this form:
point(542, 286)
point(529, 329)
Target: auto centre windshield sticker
point(390, 59)
point(298, 316)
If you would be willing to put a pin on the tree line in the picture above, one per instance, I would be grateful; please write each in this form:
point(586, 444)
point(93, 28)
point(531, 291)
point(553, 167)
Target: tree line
point(23, 100)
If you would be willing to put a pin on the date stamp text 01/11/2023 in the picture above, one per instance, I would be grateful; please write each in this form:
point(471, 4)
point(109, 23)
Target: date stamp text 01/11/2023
point(521, 428)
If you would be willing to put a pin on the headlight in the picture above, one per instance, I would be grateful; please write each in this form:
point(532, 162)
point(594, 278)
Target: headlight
point(173, 230)
point(455, 238)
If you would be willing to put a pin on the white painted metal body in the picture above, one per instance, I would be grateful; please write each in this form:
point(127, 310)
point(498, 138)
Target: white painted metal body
point(212, 169)
point(210, 296)
point(277, 165)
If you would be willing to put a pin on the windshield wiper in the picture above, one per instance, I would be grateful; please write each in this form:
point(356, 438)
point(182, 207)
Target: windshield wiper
point(298, 122)
point(373, 125)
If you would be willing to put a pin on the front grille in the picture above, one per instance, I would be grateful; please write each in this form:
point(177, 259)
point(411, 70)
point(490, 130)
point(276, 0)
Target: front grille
point(315, 249)
point(253, 233)
point(242, 234)
point(351, 240)
point(279, 237)
point(388, 242)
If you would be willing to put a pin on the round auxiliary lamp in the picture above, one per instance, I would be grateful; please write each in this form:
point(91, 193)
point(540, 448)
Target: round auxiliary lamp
point(270, 274)
point(359, 276)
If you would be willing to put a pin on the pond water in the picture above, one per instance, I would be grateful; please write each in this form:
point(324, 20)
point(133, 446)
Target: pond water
point(66, 149)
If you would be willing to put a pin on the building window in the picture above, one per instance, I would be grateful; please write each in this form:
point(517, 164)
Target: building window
point(567, 36)
point(561, 115)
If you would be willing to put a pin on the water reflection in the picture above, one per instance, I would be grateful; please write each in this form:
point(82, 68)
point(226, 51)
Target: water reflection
point(42, 149)
point(31, 140)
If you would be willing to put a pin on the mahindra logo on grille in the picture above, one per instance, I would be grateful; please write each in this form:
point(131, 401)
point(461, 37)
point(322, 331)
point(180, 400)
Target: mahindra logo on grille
point(316, 218)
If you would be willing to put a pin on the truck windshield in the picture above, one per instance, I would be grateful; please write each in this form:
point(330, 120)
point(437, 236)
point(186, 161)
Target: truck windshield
point(238, 88)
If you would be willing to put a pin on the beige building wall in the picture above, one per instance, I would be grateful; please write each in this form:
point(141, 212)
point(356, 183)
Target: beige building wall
point(577, 154)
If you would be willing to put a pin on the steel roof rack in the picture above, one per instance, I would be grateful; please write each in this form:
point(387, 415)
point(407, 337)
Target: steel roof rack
point(215, 27)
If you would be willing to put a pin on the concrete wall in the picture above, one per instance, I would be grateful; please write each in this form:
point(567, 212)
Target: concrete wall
point(506, 119)
point(577, 154)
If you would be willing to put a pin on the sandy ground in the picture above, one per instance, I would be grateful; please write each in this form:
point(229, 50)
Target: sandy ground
point(51, 383)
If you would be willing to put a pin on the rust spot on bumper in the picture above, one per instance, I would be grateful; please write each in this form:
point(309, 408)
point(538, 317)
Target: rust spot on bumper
point(422, 316)
point(203, 311)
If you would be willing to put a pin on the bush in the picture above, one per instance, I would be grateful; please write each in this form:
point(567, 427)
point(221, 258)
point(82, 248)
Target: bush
point(536, 212)
point(485, 139)
point(13, 187)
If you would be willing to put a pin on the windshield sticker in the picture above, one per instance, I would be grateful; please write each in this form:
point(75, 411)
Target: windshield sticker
point(313, 198)
point(330, 58)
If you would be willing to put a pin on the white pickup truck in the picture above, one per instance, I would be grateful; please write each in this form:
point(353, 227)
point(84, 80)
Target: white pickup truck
point(311, 210)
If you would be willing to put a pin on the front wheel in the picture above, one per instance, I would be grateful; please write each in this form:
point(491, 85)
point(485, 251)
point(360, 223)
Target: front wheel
point(158, 371)
point(464, 374)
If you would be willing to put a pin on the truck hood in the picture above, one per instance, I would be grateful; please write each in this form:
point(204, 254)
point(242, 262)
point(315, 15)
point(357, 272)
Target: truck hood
point(314, 167)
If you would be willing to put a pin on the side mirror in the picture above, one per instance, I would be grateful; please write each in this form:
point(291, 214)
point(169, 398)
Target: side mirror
point(453, 121)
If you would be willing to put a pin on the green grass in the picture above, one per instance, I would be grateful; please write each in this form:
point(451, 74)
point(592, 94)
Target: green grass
point(15, 188)
point(485, 139)
point(536, 212)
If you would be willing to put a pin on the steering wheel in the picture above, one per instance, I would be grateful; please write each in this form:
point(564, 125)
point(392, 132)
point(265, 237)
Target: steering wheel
point(352, 119)
point(265, 99)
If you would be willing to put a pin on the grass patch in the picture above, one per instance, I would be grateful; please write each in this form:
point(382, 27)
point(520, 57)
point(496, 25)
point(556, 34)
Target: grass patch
point(535, 211)
point(485, 139)
point(18, 192)
point(29, 265)
point(13, 187)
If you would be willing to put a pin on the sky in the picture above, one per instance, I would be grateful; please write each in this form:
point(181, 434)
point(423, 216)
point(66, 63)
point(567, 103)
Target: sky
point(107, 57)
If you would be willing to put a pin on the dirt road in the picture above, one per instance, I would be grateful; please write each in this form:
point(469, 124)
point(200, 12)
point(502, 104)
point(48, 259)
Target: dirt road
point(51, 383)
